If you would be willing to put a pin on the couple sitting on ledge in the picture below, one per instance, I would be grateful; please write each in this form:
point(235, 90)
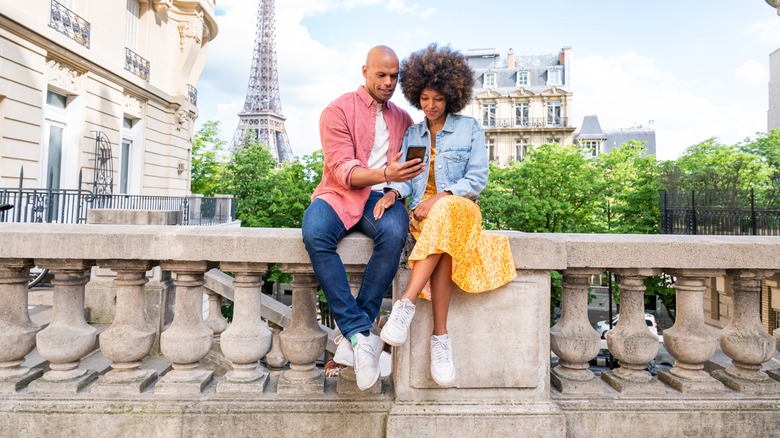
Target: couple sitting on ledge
point(366, 181)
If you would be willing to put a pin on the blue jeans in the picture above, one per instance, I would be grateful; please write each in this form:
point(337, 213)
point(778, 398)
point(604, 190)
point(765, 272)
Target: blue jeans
point(323, 230)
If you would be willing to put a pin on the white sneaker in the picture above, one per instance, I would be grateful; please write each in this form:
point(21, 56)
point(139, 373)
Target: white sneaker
point(396, 329)
point(367, 352)
point(442, 367)
point(344, 354)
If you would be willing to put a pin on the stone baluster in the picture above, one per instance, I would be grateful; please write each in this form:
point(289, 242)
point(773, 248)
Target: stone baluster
point(744, 340)
point(68, 338)
point(17, 338)
point(631, 341)
point(248, 338)
point(688, 340)
point(130, 338)
point(188, 339)
point(303, 341)
point(275, 358)
point(573, 339)
point(215, 321)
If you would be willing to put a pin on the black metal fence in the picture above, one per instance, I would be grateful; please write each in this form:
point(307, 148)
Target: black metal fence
point(740, 213)
point(70, 206)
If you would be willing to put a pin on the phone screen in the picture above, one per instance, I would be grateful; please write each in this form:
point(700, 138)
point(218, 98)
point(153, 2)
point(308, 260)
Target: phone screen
point(415, 152)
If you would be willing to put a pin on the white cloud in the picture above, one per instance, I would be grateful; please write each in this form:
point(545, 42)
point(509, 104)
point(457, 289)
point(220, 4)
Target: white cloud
point(630, 89)
point(752, 72)
point(767, 32)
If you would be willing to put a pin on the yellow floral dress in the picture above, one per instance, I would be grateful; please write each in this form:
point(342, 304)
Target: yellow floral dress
point(480, 261)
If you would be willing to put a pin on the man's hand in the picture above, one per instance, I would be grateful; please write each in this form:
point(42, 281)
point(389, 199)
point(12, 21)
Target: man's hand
point(400, 172)
point(383, 204)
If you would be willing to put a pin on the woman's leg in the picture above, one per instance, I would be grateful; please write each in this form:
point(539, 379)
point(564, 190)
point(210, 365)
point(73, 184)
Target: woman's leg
point(441, 290)
point(421, 273)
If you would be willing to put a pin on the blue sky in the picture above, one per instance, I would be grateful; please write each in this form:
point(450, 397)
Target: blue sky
point(696, 68)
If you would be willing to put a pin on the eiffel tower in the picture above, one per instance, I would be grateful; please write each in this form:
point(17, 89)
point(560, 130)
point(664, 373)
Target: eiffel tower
point(261, 120)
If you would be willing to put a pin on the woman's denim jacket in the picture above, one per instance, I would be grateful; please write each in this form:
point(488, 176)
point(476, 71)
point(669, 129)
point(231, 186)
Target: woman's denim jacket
point(461, 163)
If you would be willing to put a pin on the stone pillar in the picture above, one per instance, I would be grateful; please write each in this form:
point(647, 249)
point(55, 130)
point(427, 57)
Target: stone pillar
point(303, 341)
point(188, 339)
point(68, 338)
point(689, 340)
point(744, 340)
point(573, 339)
point(17, 338)
point(129, 339)
point(631, 341)
point(215, 321)
point(247, 339)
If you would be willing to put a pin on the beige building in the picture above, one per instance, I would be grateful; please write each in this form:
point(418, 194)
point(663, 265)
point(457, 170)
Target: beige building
point(522, 101)
point(773, 115)
point(75, 71)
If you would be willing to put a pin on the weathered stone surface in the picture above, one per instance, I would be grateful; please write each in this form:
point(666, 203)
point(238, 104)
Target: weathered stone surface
point(104, 216)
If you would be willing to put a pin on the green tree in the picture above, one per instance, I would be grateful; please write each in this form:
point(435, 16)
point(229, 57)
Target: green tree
point(556, 189)
point(208, 162)
point(714, 166)
point(268, 196)
point(631, 190)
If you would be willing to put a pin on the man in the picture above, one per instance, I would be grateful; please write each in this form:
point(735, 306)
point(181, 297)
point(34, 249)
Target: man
point(361, 134)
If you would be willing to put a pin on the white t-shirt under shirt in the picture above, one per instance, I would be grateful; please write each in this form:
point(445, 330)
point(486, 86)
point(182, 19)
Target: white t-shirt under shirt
point(378, 157)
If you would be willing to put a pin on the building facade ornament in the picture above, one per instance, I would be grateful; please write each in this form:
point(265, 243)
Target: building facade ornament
point(183, 118)
point(63, 76)
point(133, 106)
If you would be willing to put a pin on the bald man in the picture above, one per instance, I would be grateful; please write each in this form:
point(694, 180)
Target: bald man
point(361, 134)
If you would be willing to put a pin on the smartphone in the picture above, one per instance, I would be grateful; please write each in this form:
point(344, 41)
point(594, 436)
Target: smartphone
point(415, 152)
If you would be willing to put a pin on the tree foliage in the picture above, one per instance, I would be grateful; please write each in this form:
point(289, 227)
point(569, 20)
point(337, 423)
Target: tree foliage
point(208, 162)
point(554, 190)
point(268, 196)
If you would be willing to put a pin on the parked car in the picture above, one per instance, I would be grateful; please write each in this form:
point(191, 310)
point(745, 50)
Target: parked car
point(602, 327)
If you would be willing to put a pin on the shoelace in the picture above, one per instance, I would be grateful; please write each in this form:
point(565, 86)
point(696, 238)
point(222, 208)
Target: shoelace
point(404, 314)
point(365, 352)
point(337, 340)
point(441, 352)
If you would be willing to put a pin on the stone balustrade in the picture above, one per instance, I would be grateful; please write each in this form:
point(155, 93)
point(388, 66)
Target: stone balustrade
point(501, 343)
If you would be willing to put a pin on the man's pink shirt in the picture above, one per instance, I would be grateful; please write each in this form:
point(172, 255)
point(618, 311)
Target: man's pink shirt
point(347, 132)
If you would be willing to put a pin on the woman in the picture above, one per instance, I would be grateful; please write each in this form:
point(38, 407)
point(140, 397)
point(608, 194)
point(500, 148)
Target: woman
point(451, 248)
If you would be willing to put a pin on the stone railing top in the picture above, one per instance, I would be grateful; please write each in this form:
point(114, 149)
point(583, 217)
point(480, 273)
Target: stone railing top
point(284, 245)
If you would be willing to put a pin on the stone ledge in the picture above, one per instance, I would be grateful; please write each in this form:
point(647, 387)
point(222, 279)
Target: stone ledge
point(270, 245)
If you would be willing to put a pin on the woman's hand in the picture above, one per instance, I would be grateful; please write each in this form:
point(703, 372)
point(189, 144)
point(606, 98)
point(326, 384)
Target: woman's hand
point(383, 204)
point(424, 207)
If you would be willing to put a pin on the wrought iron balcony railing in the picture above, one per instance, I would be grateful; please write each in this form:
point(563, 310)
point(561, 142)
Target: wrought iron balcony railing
point(70, 206)
point(192, 94)
point(527, 123)
point(136, 64)
point(68, 23)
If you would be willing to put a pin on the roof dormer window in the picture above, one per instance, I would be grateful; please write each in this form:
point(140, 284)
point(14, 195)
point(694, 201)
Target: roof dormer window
point(489, 80)
point(522, 78)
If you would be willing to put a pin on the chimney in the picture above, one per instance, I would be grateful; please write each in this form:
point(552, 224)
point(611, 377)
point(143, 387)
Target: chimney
point(510, 58)
point(562, 57)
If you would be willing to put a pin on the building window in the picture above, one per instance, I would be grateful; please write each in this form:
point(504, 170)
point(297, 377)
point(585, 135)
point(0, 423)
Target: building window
point(591, 147)
point(491, 147)
point(554, 113)
point(489, 80)
point(55, 130)
point(521, 149)
point(521, 114)
point(554, 76)
point(522, 78)
point(489, 115)
point(553, 140)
